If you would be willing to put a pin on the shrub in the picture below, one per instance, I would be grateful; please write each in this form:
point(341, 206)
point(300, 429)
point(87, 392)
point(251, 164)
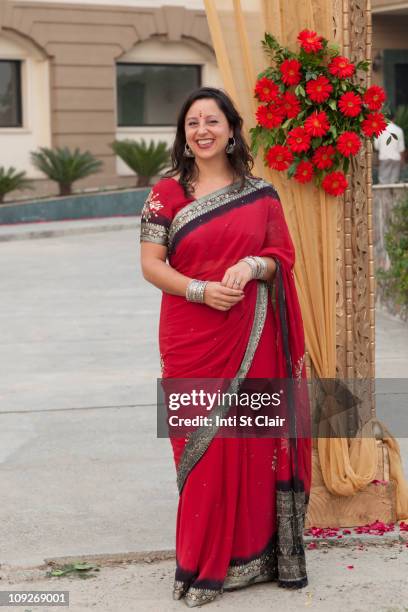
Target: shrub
point(145, 160)
point(11, 180)
point(65, 167)
point(394, 281)
point(401, 119)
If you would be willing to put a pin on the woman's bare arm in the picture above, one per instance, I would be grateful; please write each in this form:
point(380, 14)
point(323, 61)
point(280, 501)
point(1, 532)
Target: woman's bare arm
point(157, 271)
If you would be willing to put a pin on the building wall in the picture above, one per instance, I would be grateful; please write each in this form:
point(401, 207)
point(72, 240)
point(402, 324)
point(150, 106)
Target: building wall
point(173, 53)
point(389, 35)
point(16, 143)
point(80, 45)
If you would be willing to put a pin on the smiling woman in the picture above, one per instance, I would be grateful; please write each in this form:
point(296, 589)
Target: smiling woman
point(229, 311)
point(209, 150)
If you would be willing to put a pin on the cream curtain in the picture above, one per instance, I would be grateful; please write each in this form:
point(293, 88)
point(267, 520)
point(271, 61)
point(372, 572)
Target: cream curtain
point(237, 27)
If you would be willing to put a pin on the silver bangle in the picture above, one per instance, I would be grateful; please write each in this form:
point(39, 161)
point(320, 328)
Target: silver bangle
point(195, 291)
point(257, 264)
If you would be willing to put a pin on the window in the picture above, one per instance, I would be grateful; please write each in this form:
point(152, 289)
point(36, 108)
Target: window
point(10, 94)
point(151, 94)
point(401, 84)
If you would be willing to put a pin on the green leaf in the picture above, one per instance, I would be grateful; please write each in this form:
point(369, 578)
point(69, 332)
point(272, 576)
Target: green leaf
point(363, 65)
point(65, 166)
point(57, 572)
point(270, 44)
point(316, 142)
point(287, 123)
point(333, 49)
point(11, 180)
point(332, 104)
point(343, 85)
point(346, 164)
point(292, 169)
point(299, 91)
point(333, 131)
point(310, 75)
point(146, 160)
point(83, 566)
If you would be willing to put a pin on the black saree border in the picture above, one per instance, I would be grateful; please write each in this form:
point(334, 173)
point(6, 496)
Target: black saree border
point(282, 560)
point(200, 439)
point(208, 207)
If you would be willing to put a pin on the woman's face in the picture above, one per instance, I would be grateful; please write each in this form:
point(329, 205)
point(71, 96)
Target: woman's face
point(207, 129)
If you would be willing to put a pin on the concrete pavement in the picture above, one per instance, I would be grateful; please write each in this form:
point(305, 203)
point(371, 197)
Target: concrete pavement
point(81, 469)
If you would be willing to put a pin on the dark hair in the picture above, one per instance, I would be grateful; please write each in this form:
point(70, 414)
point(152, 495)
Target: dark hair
point(240, 159)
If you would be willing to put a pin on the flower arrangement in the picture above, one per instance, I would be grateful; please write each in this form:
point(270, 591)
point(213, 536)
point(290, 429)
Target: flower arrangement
point(312, 116)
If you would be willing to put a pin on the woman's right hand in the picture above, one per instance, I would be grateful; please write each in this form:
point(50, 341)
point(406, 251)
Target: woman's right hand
point(221, 298)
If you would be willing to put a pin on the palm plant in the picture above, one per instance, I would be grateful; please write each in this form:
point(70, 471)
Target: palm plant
point(64, 166)
point(145, 160)
point(10, 180)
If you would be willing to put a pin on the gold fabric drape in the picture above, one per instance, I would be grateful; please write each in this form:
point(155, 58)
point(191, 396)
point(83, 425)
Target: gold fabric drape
point(237, 27)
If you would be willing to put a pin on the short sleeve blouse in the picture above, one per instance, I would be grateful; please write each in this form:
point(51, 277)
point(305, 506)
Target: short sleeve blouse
point(163, 201)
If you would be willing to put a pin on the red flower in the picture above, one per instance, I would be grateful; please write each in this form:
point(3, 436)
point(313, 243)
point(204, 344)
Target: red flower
point(310, 41)
point(374, 97)
point(350, 104)
point(266, 90)
point(298, 140)
point(290, 105)
point(304, 172)
point(348, 144)
point(376, 528)
point(290, 71)
point(374, 124)
point(323, 157)
point(279, 157)
point(317, 124)
point(341, 67)
point(319, 89)
point(334, 183)
point(268, 116)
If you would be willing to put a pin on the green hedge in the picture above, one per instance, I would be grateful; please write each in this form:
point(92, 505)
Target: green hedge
point(394, 281)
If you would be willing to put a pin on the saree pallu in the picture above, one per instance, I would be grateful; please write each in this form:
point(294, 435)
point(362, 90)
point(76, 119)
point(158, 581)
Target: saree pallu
point(242, 501)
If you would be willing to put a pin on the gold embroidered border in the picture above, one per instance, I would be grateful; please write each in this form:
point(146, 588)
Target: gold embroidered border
point(200, 439)
point(197, 597)
point(284, 561)
point(211, 202)
point(261, 569)
point(290, 512)
point(153, 232)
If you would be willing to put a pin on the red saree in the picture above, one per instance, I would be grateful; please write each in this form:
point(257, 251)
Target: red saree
point(242, 501)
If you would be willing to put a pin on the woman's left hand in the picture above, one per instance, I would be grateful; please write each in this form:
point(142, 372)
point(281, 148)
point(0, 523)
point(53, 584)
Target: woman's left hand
point(237, 276)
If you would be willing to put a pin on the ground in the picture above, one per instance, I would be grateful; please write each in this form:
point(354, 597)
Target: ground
point(377, 581)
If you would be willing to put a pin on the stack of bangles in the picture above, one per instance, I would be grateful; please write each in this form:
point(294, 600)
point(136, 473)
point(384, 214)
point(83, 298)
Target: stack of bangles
point(195, 288)
point(257, 264)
